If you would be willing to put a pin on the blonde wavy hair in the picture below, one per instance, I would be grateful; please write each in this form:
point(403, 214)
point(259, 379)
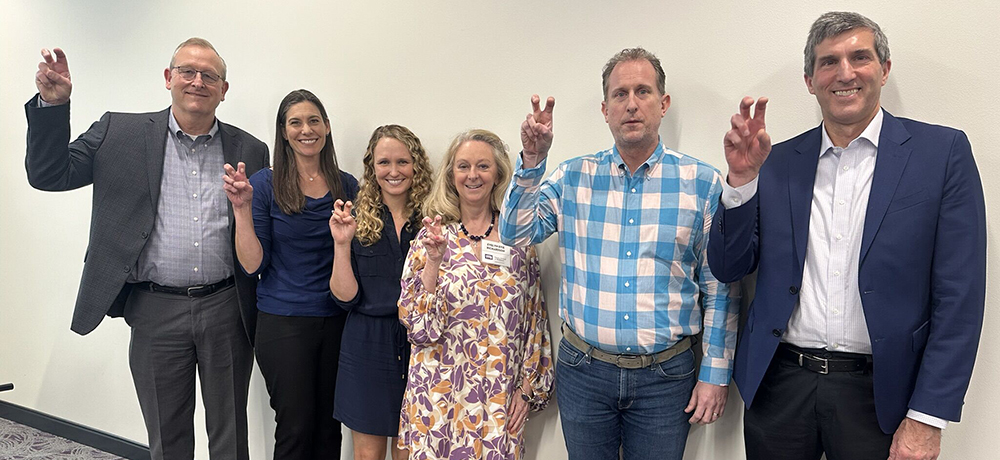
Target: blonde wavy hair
point(443, 199)
point(368, 205)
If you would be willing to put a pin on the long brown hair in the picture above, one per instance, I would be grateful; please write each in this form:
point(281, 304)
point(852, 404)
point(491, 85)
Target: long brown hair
point(287, 193)
point(368, 206)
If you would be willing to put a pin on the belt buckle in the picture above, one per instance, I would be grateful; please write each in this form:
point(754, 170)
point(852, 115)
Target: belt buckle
point(825, 363)
point(191, 290)
point(628, 361)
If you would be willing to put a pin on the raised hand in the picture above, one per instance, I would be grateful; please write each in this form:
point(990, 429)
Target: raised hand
point(747, 143)
point(342, 223)
point(52, 78)
point(536, 132)
point(237, 187)
point(434, 241)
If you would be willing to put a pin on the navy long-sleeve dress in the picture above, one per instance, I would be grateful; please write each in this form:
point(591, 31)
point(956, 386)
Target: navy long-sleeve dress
point(374, 352)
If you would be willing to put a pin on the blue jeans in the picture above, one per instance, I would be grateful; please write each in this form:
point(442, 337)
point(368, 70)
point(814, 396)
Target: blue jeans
point(604, 407)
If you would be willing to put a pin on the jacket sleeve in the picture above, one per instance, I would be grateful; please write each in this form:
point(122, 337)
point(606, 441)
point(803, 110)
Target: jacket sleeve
point(733, 250)
point(958, 290)
point(52, 162)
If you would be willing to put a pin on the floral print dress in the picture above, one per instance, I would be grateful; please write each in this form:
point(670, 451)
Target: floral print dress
point(481, 332)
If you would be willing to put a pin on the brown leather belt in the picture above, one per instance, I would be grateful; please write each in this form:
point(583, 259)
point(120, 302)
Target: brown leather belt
point(820, 365)
point(200, 290)
point(625, 361)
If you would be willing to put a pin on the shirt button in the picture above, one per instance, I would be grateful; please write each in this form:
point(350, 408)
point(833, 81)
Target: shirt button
point(196, 219)
point(631, 221)
point(194, 173)
point(836, 312)
point(836, 273)
point(626, 284)
point(628, 348)
point(626, 317)
point(834, 345)
point(192, 150)
point(840, 237)
point(628, 253)
point(194, 196)
point(841, 202)
point(196, 244)
point(633, 190)
point(196, 269)
point(845, 169)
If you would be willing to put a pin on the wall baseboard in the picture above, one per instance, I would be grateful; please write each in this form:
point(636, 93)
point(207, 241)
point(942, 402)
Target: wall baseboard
point(97, 439)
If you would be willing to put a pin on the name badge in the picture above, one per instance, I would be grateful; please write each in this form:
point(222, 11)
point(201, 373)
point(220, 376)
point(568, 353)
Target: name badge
point(496, 253)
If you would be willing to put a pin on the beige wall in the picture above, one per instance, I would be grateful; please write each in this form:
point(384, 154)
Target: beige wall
point(439, 67)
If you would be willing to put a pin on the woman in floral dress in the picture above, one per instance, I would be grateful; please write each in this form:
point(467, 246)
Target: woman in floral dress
point(473, 310)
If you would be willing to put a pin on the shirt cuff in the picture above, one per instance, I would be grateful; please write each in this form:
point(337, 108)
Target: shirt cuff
point(734, 197)
point(521, 172)
point(927, 419)
point(43, 104)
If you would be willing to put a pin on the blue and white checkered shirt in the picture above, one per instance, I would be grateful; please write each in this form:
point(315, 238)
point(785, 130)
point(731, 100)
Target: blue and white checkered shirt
point(635, 273)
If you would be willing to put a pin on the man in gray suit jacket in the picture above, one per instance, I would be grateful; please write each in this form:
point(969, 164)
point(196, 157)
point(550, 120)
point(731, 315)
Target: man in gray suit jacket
point(161, 242)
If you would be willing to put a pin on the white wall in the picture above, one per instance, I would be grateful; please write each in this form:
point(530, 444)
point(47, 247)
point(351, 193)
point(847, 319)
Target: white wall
point(440, 67)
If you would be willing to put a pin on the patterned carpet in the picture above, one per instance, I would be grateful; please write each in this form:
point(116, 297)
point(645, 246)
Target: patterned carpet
point(23, 442)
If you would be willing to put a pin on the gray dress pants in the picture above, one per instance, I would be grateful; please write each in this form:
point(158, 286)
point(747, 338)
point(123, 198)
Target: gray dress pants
point(172, 337)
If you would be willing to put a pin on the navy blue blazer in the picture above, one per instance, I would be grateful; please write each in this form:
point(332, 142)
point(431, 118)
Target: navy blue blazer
point(922, 272)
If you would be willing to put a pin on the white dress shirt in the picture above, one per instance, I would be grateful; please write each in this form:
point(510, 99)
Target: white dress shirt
point(829, 313)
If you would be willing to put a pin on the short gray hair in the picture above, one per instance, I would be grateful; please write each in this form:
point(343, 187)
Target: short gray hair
point(634, 54)
point(201, 42)
point(835, 23)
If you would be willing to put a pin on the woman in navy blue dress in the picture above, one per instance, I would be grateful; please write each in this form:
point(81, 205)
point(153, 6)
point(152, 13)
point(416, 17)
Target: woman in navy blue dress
point(282, 235)
point(371, 246)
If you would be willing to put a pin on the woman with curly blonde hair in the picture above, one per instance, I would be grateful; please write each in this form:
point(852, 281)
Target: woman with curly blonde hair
point(370, 246)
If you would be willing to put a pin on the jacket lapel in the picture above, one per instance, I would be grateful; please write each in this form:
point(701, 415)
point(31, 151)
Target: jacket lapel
point(801, 175)
point(232, 155)
point(889, 164)
point(156, 144)
point(231, 145)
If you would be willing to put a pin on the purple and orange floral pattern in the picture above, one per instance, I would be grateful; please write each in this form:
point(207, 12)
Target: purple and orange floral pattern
point(481, 333)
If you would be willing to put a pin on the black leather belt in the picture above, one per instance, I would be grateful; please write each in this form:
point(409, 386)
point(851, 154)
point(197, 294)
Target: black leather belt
point(200, 290)
point(821, 365)
point(625, 361)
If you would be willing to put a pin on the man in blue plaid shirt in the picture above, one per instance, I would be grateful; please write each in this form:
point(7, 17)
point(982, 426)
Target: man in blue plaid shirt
point(633, 223)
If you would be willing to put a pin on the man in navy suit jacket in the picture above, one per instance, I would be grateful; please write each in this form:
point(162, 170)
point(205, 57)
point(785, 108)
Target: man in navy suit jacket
point(868, 234)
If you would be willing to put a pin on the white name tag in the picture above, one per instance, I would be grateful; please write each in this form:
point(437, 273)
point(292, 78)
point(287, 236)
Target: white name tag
point(496, 253)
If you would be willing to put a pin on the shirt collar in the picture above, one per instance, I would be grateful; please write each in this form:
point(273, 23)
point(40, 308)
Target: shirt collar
point(871, 133)
point(177, 131)
point(618, 162)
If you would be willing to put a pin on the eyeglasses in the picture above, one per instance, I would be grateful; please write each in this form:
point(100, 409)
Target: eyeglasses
point(189, 74)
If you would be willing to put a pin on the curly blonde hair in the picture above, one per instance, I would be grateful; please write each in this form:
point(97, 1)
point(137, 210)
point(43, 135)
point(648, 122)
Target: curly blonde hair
point(443, 199)
point(368, 205)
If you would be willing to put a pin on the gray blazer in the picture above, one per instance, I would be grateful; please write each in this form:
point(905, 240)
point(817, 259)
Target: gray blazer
point(122, 155)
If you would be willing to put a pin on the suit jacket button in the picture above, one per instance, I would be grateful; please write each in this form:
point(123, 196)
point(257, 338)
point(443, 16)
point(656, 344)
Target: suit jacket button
point(145, 235)
point(127, 269)
point(776, 333)
point(793, 290)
